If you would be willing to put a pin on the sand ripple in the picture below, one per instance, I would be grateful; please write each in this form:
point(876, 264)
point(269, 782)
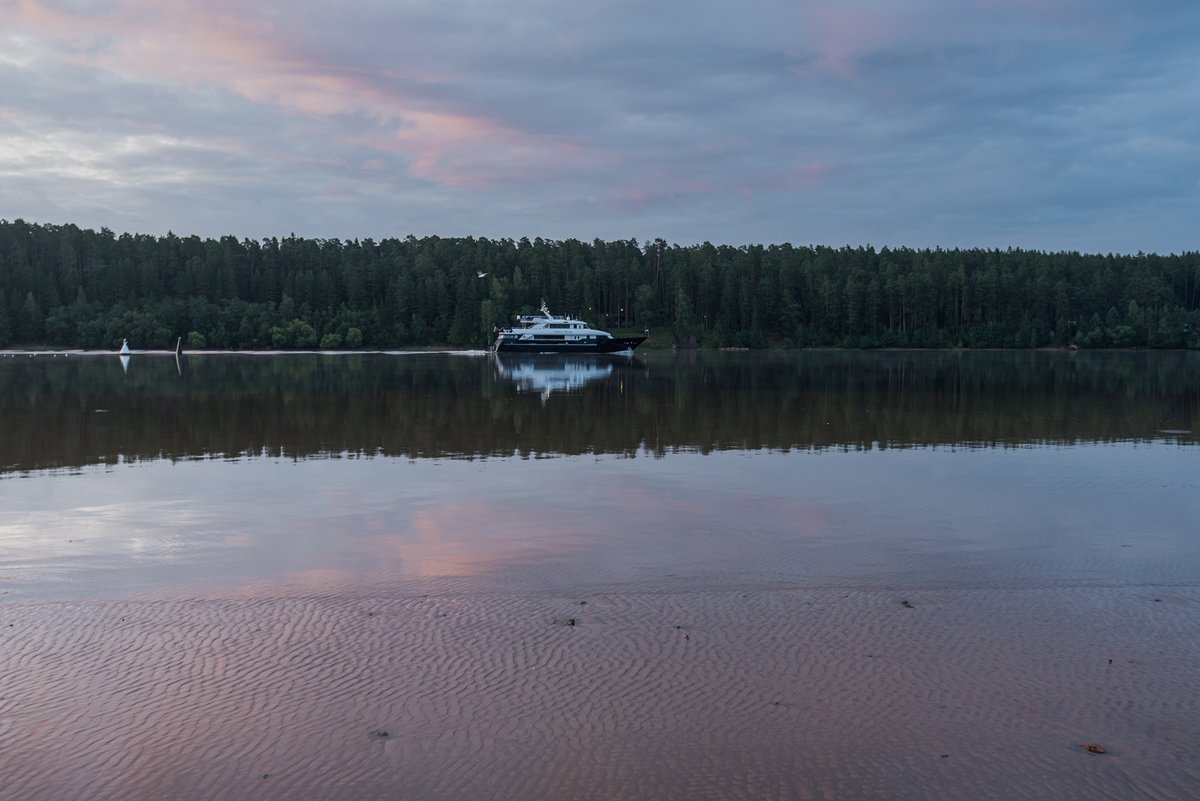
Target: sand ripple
point(787, 694)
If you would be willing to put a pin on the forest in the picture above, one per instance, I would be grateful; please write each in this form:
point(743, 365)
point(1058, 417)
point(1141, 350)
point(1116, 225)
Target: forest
point(63, 286)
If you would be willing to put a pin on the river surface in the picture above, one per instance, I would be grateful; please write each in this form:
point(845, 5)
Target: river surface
point(1065, 484)
point(230, 471)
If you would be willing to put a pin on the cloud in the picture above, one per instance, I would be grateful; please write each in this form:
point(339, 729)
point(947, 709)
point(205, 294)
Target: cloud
point(936, 121)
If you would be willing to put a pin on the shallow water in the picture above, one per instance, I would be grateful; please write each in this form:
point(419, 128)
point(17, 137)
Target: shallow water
point(245, 566)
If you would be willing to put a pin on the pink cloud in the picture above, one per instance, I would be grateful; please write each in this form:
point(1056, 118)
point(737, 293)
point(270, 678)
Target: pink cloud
point(835, 37)
point(246, 52)
point(471, 151)
point(798, 178)
point(845, 35)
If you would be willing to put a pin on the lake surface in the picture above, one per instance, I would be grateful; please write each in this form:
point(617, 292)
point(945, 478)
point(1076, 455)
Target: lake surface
point(352, 576)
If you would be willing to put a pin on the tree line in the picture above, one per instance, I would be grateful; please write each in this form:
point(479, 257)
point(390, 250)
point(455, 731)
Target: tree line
point(65, 286)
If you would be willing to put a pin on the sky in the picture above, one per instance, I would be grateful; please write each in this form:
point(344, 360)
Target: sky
point(1045, 124)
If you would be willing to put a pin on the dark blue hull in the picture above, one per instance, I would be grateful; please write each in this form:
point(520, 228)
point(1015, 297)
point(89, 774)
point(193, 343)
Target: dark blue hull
point(614, 345)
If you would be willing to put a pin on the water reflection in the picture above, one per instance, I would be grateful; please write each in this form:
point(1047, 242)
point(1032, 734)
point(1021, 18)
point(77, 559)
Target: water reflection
point(794, 506)
point(544, 374)
point(77, 411)
point(1093, 515)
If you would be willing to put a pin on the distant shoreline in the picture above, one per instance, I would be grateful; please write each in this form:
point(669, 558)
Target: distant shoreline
point(67, 285)
point(51, 351)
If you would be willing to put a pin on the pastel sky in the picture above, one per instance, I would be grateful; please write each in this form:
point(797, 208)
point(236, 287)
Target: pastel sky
point(1048, 124)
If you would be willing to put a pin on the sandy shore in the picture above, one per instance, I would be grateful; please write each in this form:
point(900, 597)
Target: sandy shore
point(738, 694)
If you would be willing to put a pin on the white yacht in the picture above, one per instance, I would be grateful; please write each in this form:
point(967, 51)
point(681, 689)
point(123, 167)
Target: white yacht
point(545, 333)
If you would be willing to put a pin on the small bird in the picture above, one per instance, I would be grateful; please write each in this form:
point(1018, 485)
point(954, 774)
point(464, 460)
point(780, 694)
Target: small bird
point(480, 274)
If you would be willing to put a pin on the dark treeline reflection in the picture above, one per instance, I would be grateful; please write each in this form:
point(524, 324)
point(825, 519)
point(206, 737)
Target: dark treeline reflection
point(71, 411)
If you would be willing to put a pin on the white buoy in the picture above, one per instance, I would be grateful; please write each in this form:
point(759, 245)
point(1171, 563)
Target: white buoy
point(124, 347)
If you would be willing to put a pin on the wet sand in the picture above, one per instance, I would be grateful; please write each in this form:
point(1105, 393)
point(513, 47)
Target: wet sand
point(742, 693)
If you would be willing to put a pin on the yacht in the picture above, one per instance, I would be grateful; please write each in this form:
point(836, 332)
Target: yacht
point(546, 333)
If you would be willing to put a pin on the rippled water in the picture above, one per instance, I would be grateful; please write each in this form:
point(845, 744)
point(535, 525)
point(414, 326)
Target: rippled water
point(675, 576)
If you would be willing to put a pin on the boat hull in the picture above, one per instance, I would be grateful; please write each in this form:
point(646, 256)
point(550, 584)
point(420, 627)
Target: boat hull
point(614, 345)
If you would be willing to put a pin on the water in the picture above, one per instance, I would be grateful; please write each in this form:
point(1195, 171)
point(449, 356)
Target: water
point(816, 468)
point(234, 572)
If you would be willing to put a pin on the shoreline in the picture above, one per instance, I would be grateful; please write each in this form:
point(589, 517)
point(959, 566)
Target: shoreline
point(431, 349)
point(906, 694)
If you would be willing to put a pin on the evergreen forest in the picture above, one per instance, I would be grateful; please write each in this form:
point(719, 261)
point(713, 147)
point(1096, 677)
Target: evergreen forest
point(63, 286)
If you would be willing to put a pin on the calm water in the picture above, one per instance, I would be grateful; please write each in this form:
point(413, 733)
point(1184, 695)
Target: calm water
point(864, 576)
point(305, 473)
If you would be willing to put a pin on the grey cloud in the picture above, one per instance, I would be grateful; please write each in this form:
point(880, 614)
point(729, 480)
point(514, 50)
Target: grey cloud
point(1054, 125)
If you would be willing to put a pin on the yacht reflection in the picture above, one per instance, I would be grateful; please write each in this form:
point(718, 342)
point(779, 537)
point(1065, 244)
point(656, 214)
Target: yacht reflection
point(303, 406)
point(563, 373)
